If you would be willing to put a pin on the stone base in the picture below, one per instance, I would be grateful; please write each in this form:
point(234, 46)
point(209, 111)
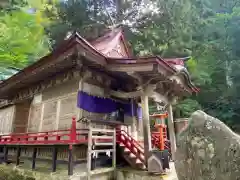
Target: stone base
point(131, 174)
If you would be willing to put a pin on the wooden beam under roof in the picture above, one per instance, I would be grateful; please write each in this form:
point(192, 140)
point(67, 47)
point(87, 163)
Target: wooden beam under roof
point(130, 67)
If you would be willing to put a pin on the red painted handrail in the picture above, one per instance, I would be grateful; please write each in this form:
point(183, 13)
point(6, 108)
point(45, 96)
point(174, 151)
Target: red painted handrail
point(68, 136)
point(120, 132)
point(77, 136)
point(73, 135)
point(131, 144)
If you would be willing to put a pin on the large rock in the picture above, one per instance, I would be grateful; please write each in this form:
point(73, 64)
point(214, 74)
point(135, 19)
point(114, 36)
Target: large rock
point(207, 150)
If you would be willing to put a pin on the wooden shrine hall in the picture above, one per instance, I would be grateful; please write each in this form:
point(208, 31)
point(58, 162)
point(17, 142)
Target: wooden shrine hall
point(87, 99)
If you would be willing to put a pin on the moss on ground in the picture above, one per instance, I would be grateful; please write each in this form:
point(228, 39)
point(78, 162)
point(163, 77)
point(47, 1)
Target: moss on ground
point(9, 172)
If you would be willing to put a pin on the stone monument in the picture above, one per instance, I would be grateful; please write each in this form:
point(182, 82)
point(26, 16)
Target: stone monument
point(207, 150)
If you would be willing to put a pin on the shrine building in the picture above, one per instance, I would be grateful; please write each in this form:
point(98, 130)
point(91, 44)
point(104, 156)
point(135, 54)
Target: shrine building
point(88, 100)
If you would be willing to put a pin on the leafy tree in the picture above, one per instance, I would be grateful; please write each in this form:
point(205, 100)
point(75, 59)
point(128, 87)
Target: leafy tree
point(11, 5)
point(22, 39)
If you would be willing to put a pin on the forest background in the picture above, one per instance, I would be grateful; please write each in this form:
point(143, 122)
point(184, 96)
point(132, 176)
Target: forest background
point(208, 31)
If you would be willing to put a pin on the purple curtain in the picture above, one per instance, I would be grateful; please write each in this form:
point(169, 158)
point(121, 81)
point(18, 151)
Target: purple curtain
point(105, 105)
point(129, 109)
point(95, 104)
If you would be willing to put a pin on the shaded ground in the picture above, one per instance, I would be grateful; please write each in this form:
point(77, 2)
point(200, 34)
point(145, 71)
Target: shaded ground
point(131, 174)
point(43, 172)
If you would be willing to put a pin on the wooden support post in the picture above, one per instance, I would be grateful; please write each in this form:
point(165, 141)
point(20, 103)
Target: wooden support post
point(5, 154)
point(18, 153)
point(58, 114)
point(93, 163)
point(114, 154)
point(146, 128)
point(80, 88)
point(34, 155)
point(89, 152)
point(171, 131)
point(41, 118)
point(70, 160)
point(134, 122)
point(54, 159)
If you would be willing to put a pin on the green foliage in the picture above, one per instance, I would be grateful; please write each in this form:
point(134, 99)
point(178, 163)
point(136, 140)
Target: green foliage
point(11, 5)
point(186, 107)
point(75, 16)
point(22, 39)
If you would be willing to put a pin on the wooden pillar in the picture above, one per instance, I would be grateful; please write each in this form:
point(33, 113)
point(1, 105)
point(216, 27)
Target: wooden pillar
point(134, 122)
point(140, 128)
point(34, 155)
point(18, 153)
point(114, 159)
point(41, 118)
point(5, 154)
point(54, 159)
point(80, 88)
point(146, 128)
point(58, 114)
point(89, 153)
point(70, 160)
point(171, 131)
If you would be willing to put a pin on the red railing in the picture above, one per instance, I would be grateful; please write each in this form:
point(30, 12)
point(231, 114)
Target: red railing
point(77, 136)
point(131, 144)
point(159, 137)
point(156, 141)
point(68, 136)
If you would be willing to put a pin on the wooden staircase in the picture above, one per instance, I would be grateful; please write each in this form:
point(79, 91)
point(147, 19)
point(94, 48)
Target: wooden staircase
point(133, 151)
